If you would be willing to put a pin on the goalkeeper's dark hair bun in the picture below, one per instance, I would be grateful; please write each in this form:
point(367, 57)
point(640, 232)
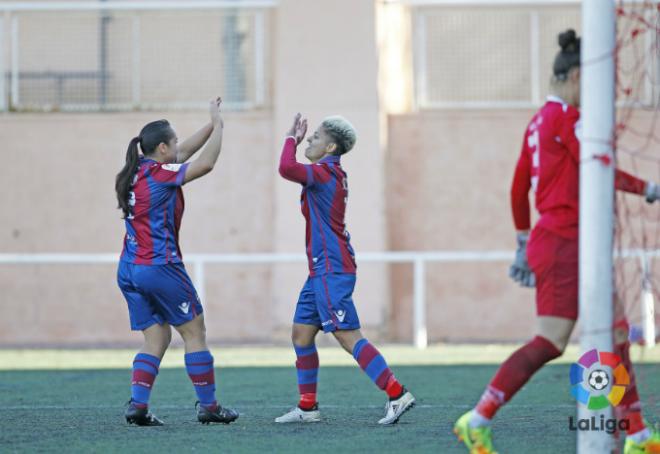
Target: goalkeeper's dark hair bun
point(569, 55)
point(569, 41)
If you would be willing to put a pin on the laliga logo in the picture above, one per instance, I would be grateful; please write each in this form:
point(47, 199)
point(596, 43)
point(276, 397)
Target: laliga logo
point(589, 380)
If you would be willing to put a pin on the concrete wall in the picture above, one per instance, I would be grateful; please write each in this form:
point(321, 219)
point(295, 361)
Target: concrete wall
point(429, 180)
point(448, 176)
point(60, 174)
point(67, 163)
point(447, 188)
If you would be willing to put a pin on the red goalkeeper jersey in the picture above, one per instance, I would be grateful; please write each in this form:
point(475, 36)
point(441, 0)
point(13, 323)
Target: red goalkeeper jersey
point(549, 163)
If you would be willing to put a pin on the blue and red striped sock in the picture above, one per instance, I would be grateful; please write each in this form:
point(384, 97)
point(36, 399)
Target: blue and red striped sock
point(307, 366)
point(373, 363)
point(199, 366)
point(145, 369)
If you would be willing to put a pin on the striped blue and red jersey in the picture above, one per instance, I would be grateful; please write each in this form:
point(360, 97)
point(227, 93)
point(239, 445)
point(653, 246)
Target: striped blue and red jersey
point(156, 207)
point(323, 202)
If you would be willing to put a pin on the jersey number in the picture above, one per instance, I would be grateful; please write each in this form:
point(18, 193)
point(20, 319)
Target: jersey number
point(534, 146)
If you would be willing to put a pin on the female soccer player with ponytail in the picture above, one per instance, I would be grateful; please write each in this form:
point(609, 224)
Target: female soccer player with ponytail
point(151, 274)
point(549, 164)
point(326, 300)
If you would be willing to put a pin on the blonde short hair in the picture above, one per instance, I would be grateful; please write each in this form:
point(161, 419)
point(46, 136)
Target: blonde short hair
point(342, 132)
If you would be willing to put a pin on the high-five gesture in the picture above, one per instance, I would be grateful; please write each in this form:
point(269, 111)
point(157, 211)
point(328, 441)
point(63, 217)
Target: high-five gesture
point(298, 129)
point(214, 111)
point(209, 155)
point(192, 144)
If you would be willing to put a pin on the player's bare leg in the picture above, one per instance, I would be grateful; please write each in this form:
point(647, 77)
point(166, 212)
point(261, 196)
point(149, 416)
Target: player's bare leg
point(348, 338)
point(199, 365)
point(193, 334)
point(303, 335)
point(374, 365)
point(157, 339)
point(555, 329)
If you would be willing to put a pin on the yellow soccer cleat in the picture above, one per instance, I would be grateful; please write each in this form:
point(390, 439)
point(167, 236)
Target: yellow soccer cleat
point(649, 446)
point(476, 439)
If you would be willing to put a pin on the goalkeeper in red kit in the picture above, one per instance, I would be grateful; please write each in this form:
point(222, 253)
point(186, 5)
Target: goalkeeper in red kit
point(548, 258)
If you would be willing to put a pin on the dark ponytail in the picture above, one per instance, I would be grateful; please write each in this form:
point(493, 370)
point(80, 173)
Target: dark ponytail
point(125, 177)
point(152, 135)
point(569, 55)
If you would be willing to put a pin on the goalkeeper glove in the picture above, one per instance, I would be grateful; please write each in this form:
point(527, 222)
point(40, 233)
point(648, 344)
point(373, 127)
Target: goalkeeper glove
point(519, 270)
point(652, 192)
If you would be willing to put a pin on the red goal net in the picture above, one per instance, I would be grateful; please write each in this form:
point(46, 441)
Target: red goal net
point(637, 145)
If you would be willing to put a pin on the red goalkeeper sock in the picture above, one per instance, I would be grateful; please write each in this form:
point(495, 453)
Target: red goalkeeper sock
point(629, 408)
point(514, 373)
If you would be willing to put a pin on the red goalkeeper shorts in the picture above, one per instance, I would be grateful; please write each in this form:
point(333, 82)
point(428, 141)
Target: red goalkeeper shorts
point(554, 260)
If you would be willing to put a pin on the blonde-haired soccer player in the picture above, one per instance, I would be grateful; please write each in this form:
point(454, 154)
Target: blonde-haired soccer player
point(326, 300)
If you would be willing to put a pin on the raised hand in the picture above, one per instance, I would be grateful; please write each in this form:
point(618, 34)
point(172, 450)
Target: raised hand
point(298, 128)
point(214, 111)
point(301, 130)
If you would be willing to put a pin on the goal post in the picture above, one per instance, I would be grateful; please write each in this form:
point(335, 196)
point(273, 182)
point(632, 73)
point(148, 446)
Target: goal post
point(597, 196)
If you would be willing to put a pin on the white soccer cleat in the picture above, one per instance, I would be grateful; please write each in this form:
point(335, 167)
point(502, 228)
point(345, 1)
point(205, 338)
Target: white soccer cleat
point(299, 415)
point(395, 408)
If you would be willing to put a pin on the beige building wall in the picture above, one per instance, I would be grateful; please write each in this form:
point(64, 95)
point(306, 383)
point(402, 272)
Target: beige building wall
point(419, 180)
point(447, 189)
point(65, 166)
point(448, 176)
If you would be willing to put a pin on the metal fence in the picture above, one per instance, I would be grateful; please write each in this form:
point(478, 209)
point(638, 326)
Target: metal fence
point(133, 55)
point(418, 259)
point(499, 53)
